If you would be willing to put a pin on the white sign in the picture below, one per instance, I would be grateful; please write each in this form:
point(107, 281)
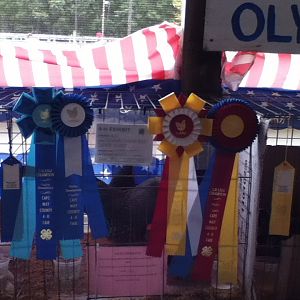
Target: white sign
point(265, 26)
point(123, 144)
point(11, 177)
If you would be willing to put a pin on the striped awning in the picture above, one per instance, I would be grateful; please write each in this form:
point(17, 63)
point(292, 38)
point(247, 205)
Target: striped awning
point(272, 70)
point(150, 53)
point(262, 70)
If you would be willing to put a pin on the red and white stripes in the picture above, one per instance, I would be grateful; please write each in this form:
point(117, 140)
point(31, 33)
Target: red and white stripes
point(262, 70)
point(150, 53)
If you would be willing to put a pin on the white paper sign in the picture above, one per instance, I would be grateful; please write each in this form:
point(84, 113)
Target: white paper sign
point(265, 26)
point(123, 144)
point(11, 177)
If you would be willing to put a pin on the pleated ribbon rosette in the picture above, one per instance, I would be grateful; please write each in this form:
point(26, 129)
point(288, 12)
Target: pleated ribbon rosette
point(179, 128)
point(59, 183)
point(178, 224)
point(235, 127)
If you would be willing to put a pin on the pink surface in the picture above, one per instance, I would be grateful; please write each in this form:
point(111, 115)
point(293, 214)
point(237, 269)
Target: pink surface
point(125, 271)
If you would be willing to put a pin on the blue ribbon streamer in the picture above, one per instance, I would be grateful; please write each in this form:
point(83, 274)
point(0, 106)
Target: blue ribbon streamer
point(70, 189)
point(71, 249)
point(1, 181)
point(46, 239)
point(10, 199)
point(91, 198)
point(181, 266)
point(25, 223)
point(87, 200)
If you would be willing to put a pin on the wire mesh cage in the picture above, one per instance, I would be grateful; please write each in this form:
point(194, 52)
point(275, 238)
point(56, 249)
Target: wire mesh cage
point(128, 194)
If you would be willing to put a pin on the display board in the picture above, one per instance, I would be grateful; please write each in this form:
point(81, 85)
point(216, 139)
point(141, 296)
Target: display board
point(263, 26)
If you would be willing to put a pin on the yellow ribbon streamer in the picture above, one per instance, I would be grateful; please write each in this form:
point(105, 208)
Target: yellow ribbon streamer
point(174, 170)
point(228, 243)
point(176, 230)
point(282, 197)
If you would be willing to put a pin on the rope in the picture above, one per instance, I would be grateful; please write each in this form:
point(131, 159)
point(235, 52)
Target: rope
point(9, 129)
point(287, 138)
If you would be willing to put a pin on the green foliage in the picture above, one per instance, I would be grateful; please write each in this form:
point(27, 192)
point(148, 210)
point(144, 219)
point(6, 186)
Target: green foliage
point(64, 16)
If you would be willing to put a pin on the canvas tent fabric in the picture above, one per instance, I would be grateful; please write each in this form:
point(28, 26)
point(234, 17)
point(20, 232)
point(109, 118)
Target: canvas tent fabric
point(261, 70)
point(136, 71)
point(150, 53)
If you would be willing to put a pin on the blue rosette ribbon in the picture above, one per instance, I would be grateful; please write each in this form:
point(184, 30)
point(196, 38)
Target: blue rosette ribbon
point(39, 177)
point(39, 184)
point(72, 117)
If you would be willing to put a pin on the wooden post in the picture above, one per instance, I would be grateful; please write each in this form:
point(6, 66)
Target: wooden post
point(201, 69)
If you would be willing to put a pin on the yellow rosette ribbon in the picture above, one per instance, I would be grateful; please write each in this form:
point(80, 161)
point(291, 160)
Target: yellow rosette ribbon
point(180, 129)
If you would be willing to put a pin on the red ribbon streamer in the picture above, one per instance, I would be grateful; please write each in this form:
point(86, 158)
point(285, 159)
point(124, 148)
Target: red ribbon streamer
point(157, 235)
point(208, 245)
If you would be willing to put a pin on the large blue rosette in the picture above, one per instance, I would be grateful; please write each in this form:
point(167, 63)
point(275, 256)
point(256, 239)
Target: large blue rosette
point(38, 194)
point(39, 177)
point(72, 116)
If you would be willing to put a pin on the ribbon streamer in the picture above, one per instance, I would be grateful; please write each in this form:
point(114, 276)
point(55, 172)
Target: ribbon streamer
point(194, 209)
point(181, 266)
point(46, 239)
point(92, 203)
point(11, 179)
point(210, 234)
point(282, 197)
point(176, 230)
point(25, 224)
point(69, 187)
point(157, 234)
point(228, 243)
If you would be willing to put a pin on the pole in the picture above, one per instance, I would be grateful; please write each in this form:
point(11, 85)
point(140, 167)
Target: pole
point(201, 69)
point(129, 17)
point(76, 19)
point(103, 17)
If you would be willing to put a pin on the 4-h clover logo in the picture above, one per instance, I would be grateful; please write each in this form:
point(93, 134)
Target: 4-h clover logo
point(46, 234)
point(207, 251)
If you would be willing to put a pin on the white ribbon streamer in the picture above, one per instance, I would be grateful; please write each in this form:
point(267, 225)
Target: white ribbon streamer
point(194, 209)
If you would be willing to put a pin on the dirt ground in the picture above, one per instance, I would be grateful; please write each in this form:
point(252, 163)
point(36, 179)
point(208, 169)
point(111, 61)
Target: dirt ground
point(37, 280)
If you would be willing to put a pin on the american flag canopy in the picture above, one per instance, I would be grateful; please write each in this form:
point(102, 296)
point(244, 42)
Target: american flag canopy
point(150, 53)
point(261, 70)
